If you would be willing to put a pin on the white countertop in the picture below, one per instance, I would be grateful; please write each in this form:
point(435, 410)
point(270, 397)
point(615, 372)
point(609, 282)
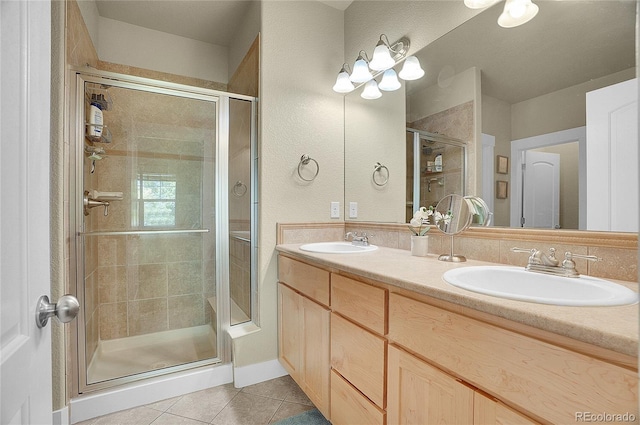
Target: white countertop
point(614, 328)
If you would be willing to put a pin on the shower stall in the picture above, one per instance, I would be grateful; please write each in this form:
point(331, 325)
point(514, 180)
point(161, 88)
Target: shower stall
point(436, 166)
point(161, 187)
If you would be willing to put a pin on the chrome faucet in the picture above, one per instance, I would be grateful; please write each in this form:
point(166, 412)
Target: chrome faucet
point(359, 240)
point(542, 263)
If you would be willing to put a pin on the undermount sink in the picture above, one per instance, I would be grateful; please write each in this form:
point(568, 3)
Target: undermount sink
point(337, 248)
point(518, 284)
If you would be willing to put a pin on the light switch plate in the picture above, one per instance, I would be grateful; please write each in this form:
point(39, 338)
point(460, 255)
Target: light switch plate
point(353, 210)
point(335, 209)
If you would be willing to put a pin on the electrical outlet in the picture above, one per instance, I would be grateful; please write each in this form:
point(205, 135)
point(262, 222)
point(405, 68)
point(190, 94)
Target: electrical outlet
point(335, 209)
point(353, 210)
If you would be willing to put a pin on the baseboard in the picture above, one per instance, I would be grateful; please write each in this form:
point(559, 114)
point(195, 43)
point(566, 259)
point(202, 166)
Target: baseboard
point(254, 374)
point(61, 417)
point(145, 392)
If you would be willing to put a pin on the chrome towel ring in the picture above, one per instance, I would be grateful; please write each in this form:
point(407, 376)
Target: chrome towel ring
point(239, 189)
point(383, 176)
point(304, 160)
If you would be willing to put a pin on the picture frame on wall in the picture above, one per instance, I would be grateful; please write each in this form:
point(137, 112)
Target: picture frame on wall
point(502, 189)
point(502, 164)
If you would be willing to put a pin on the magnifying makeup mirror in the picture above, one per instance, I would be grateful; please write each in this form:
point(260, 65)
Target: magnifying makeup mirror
point(453, 215)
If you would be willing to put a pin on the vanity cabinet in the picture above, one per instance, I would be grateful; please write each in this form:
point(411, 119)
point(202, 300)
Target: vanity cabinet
point(538, 378)
point(385, 355)
point(420, 393)
point(304, 329)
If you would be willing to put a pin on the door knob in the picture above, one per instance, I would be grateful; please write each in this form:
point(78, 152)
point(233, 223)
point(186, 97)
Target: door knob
point(66, 309)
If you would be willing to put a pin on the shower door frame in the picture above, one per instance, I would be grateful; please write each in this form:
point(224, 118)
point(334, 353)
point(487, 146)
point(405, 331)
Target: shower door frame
point(78, 77)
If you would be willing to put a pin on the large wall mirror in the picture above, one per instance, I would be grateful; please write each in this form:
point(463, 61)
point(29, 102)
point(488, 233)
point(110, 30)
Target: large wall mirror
point(515, 96)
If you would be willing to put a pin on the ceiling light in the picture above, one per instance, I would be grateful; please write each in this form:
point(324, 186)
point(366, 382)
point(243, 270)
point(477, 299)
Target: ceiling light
point(382, 59)
point(361, 72)
point(371, 90)
point(517, 12)
point(411, 69)
point(343, 83)
point(389, 81)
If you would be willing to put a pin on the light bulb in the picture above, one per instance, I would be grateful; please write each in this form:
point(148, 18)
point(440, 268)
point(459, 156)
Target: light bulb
point(389, 81)
point(371, 90)
point(343, 83)
point(517, 12)
point(361, 73)
point(381, 58)
point(411, 69)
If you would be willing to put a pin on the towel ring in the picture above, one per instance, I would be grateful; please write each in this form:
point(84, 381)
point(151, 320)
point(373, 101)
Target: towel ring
point(239, 189)
point(304, 160)
point(377, 169)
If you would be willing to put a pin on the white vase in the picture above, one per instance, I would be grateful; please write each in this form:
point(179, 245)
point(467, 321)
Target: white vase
point(419, 245)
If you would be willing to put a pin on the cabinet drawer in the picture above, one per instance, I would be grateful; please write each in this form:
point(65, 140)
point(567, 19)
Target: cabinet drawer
point(311, 281)
point(349, 407)
point(359, 356)
point(360, 302)
point(543, 379)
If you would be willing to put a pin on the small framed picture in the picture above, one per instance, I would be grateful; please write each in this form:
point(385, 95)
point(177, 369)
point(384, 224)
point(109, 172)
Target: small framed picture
point(502, 189)
point(502, 165)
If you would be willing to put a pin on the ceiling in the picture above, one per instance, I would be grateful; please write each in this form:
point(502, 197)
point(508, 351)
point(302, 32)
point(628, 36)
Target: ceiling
point(211, 21)
point(567, 43)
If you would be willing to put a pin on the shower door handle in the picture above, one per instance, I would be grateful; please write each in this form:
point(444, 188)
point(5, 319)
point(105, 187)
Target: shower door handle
point(66, 309)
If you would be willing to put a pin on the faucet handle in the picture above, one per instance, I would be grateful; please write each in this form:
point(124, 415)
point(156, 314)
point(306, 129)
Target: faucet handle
point(527, 250)
point(570, 265)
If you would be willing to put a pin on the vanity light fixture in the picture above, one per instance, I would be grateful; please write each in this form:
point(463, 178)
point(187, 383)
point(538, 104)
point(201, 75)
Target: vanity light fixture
point(371, 90)
point(385, 57)
point(361, 73)
point(389, 81)
point(343, 83)
point(516, 12)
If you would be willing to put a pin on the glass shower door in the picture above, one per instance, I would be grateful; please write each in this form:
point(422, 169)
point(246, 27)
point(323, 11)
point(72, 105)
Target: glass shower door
point(147, 236)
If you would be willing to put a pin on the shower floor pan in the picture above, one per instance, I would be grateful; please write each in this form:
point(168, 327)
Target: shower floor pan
point(132, 355)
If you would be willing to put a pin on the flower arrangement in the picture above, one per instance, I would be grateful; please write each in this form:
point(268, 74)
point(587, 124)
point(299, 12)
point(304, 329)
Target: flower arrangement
point(419, 224)
point(443, 217)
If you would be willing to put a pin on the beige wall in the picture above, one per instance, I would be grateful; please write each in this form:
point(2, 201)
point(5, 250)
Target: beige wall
point(301, 52)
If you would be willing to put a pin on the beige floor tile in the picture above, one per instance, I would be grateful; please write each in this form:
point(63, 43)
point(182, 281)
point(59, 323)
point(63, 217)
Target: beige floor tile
point(163, 405)
point(287, 409)
point(298, 396)
point(278, 388)
point(169, 419)
point(204, 405)
point(248, 409)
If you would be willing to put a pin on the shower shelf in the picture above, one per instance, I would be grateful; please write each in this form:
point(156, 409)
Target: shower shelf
point(142, 232)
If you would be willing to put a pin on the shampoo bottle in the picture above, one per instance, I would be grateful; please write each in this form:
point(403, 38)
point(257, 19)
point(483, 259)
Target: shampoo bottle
point(438, 162)
point(95, 117)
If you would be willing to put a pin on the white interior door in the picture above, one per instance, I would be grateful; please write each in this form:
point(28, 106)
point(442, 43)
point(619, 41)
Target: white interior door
point(541, 194)
point(612, 158)
point(25, 350)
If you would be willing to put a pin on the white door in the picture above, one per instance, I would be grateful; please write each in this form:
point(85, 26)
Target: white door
point(25, 350)
point(612, 158)
point(541, 194)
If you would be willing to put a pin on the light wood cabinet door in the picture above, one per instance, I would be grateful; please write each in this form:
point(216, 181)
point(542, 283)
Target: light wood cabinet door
point(316, 368)
point(350, 407)
point(487, 411)
point(289, 340)
point(419, 394)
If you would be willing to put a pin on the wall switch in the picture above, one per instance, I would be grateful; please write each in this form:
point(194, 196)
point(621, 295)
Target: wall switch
point(353, 210)
point(335, 210)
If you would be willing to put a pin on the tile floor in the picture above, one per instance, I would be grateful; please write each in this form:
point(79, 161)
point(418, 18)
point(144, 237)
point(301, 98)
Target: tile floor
point(262, 403)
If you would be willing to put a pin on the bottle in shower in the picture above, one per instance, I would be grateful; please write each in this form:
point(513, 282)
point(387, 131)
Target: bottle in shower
point(438, 162)
point(95, 117)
